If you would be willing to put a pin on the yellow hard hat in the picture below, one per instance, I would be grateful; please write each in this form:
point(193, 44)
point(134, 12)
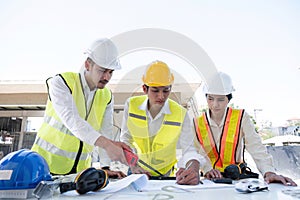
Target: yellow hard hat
point(158, 74)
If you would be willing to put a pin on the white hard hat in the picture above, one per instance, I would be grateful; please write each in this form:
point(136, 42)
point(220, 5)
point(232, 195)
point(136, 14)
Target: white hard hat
point(219, 84)
point(104, 53)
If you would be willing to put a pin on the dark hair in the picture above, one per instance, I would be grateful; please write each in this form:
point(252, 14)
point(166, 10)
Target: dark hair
point(229, 96)
point(90, 61)
point(146, 86)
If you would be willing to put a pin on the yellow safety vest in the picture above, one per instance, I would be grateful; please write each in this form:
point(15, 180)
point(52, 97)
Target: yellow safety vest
point(226, 154)
point(160, 151)
point(55, 142)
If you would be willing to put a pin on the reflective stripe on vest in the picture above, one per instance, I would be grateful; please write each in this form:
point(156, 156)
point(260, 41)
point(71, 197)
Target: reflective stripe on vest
point(228, 141)
point(54, 140)
point(161, 152)
point(49, 147)
point(57, 125)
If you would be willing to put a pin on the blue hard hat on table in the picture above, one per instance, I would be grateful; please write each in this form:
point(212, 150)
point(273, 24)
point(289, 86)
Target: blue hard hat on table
point(23, 169)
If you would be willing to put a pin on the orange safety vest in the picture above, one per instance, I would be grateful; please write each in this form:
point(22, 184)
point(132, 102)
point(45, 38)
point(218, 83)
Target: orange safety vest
point(226, 154)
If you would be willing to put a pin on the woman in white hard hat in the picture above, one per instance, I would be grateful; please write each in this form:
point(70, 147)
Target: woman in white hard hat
point(154, 125)
point(79, 112)
point(224, 133)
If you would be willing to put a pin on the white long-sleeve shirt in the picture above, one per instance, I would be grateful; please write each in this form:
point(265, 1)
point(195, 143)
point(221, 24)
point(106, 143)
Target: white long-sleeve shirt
point(185, 141)
point(66, 109)
point(253, 144)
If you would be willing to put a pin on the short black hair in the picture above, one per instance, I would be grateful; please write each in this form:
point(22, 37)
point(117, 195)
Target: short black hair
point(229, 96)
point(90, 60)
point(146, 86)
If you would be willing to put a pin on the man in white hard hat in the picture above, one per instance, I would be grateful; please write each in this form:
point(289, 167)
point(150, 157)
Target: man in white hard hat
point(79, 112)
point(224, 133)
point(154, 125)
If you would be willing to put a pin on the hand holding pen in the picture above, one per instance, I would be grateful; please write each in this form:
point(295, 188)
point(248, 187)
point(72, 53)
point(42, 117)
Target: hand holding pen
point(189, 175)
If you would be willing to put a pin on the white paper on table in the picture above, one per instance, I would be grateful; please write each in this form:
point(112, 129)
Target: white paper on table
point(154, 185)
point(139, 181)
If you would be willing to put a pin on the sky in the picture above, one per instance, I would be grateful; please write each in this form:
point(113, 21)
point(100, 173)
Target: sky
point(256, 42)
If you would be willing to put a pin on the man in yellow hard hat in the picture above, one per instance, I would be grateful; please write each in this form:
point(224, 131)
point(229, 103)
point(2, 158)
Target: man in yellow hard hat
point(224, 133)
point(154, 126)
point(79, 113)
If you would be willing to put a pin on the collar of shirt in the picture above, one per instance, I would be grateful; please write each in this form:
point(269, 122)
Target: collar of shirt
point(88, 94)
point(212, 122)
point(164, 110)
point(85, 85)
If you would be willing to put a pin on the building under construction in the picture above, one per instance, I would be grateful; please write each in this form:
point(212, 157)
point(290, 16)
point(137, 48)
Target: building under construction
point(24, 102)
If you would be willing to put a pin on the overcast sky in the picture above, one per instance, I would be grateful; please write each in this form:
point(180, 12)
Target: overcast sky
point(256, 42)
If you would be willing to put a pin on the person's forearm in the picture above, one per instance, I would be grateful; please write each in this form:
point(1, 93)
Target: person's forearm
point(269, 174)
point(102, 142)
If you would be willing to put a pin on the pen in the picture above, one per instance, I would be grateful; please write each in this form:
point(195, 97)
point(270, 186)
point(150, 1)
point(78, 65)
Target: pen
point(188, 166)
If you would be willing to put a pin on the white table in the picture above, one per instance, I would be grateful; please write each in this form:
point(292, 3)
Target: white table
point(274, 193)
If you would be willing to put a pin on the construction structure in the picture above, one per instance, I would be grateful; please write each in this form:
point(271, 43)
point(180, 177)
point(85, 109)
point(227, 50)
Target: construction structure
point(23, 100)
